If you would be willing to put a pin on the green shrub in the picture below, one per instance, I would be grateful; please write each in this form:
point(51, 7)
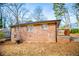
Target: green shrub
point(74, 30)
point(1, 35)
point(62, 28)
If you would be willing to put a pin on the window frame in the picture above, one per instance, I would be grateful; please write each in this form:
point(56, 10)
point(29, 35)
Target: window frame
point(44, 26)
point(30, 28)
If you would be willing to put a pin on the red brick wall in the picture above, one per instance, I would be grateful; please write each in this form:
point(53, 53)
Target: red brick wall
point(38, 34)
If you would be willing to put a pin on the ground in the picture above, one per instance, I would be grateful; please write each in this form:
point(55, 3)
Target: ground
point(40, 49)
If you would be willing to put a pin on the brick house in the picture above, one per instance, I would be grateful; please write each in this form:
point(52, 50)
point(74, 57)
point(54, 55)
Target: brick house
point(42, 31)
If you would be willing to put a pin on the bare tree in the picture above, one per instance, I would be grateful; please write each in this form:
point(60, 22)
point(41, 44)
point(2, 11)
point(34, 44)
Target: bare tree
point(76, 12)
point(38, 14)
point(17, 12)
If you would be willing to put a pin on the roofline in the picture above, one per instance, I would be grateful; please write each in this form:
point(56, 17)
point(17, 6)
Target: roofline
point(39, 22)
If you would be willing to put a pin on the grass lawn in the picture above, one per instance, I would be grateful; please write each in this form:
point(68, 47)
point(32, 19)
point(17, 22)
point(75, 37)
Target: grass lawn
point(39, 49)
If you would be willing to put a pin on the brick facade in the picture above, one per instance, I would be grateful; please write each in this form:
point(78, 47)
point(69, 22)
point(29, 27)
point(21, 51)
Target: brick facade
point(38, 34)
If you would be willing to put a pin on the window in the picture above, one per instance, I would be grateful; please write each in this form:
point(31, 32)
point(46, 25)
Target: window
point(44, 26)
point(30, 28)
point(14, 35)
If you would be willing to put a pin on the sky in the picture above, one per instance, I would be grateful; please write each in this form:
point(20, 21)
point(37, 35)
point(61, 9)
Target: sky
point(48, 10)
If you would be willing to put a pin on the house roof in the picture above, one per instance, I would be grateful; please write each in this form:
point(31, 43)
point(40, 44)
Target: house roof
point(39, 22)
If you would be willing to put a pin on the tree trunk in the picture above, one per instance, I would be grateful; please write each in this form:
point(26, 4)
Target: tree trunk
point(68, 26)
point(18, 35)
point(77, 19)
point(69, 20)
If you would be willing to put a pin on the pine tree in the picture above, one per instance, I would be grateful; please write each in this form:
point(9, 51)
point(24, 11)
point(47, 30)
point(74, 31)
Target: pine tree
point(60, 11)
